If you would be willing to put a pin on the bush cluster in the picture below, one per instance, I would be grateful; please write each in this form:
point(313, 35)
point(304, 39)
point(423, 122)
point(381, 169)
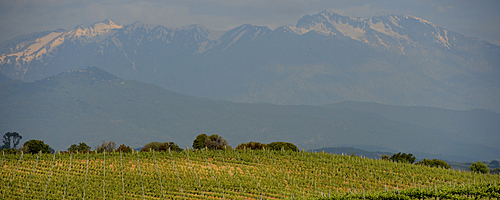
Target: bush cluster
point(479, 167)
point(403, 158)
point(434, 163)
point(158, 146)
point(252, 145)
point(124, 149)
point(211, 142)
point(278, 146)
point(81, 147)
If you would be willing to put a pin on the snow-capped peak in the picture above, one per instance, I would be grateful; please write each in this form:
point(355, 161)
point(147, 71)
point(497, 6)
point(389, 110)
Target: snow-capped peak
point(48, 43)
point(95, 32)
point(104, 26)
point(331, 23)
point(370, 30)
point(423, 21)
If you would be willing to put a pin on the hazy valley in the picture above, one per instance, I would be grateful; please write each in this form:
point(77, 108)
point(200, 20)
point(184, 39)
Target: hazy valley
point(91, 105)
point(435, 92)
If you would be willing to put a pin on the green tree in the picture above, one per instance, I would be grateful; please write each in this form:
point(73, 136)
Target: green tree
point(174, 147)
point(277, 146)
point(402, 158)
point(153, 146)
point(252, 145)
point(161, 146)
point(11, 140)
point(9, 151)
point(124, 149)
point(35, 146)
point(384, 157)
point(199, 142)
point(164, 146)
point(81, 147)
point(434, 163)
point(479, 167)
point(215, 142)
point(106, 146)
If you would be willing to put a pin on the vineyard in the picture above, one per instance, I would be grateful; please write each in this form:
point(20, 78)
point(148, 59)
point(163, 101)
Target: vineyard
point(232, 174)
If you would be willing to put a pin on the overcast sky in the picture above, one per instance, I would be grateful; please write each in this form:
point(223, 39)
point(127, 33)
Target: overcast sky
point(480, 19)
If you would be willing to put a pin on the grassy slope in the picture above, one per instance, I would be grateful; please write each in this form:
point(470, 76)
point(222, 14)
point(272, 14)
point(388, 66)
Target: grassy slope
point(216, 174)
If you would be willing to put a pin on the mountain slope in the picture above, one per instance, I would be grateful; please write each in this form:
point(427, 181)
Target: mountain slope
point(4, 78)
point(326, 58)
point(473, 126)
point(91, 105)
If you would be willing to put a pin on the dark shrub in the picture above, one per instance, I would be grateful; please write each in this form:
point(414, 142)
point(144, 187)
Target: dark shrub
point(278, 146)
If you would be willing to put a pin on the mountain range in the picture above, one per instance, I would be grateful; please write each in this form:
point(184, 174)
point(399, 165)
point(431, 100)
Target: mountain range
point(325, 58)
point(90, 105)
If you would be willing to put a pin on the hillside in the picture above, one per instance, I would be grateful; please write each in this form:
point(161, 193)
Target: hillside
point(465, 165)
point(4, 78)
point(91, 105)
point(353, 151)
point(325, 58)
point(229, 174)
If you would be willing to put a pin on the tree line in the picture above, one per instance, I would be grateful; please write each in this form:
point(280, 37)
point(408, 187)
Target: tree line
point(409, 158)
point(11, 141)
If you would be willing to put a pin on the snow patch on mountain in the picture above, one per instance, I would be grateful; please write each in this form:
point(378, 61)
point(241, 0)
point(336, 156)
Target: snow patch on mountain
point(235, 37)
point(33, 51)
point(244, 32)
point(296, 30)
point(370, 30)
point(49, 43)
point(105, 26)
point(386, 29)
point(392, 33)
point(330, 23)
point(321, 28)
point(356, 33)
point(395, 20)
point(443, 40)
point(367, 30)
point(94, 33)
point(423, 21)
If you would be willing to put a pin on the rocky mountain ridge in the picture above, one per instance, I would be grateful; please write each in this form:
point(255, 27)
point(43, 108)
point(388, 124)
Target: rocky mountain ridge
point(326, 58)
